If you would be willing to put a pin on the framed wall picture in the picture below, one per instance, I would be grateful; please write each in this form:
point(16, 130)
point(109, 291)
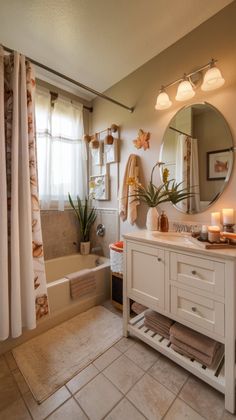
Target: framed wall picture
point(99, 187)
point(218, 162)
point(111, 152)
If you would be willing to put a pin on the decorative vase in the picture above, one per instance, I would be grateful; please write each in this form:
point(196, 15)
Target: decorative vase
point(152, 219)
point(85, 248)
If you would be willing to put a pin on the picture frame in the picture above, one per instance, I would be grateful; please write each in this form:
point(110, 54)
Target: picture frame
point(111, 152)
point(218, 163)
point(99, 187)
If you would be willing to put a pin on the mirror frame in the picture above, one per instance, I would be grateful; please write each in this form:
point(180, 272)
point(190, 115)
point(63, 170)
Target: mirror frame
point(233, 150)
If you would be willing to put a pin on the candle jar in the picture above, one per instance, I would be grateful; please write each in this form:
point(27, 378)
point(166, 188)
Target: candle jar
point(214, 234)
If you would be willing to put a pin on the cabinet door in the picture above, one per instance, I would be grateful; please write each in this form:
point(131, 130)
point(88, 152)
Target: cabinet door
point(145, 274)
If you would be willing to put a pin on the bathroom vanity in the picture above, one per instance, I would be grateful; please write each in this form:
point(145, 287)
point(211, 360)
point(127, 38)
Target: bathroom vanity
point(173, 275)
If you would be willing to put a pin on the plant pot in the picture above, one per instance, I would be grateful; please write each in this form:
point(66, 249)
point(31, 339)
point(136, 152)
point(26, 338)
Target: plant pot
point(152, 219)
point(85, 248)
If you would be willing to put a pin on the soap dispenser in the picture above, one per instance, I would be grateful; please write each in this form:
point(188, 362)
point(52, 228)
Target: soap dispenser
point(163, 222)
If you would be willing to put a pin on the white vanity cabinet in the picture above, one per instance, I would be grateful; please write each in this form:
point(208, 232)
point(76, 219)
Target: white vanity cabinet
point(191, 285)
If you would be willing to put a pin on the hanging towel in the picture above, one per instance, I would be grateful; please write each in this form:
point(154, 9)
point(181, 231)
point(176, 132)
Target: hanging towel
point(82, 283)
point(127, 205)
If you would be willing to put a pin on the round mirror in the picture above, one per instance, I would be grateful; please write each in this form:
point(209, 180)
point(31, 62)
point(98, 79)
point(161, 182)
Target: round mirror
point(197, 150)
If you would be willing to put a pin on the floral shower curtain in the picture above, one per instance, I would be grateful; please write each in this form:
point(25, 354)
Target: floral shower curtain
point(23, 296)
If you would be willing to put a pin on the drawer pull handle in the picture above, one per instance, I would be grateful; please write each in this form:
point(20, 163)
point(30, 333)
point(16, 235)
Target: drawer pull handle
point(194, 272)
point(194, 309)
point(158, 259)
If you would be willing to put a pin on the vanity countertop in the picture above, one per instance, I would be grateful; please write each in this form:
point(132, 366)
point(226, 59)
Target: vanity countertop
point(183, 241)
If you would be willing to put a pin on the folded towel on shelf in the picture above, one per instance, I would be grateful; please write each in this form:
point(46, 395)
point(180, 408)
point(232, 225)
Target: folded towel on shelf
point(164, 332)
point(82, 283)
point(194, 339)
point(157, 323)
point(138, 308)
point(198, 356)
point(158, 319)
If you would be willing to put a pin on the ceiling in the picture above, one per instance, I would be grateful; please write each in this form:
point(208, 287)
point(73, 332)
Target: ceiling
point(98, 42)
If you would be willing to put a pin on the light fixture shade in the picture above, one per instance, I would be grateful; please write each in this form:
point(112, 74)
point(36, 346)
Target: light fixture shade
point(213, 79)
point(163, 101)
point(185, 91)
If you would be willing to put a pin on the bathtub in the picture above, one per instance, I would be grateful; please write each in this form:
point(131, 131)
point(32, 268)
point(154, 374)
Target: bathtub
point(62, 307)
point(58, 286)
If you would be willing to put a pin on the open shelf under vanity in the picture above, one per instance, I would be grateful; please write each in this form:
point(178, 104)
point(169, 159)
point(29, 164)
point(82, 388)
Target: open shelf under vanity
point(213, 376)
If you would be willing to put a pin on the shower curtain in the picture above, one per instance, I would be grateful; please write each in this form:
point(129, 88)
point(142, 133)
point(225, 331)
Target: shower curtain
point(187, 171)
point(23, 296)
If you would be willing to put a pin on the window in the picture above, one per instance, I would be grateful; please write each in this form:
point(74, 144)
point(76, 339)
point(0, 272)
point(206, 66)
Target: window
point(62, 165)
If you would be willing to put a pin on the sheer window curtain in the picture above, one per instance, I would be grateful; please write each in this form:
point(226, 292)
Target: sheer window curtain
point(62, 154)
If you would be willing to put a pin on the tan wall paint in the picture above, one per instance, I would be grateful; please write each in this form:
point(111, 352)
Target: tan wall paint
point(214, 38)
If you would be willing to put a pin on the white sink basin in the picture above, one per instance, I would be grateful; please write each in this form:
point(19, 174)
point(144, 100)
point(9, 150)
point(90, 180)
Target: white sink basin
point(173, 237)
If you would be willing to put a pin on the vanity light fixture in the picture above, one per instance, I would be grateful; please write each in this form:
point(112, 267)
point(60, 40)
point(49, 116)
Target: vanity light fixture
point(212, 80)
point(163, 100)
point(185, 90)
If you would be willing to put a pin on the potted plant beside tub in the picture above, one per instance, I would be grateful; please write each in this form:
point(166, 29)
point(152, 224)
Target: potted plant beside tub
point(86, 216)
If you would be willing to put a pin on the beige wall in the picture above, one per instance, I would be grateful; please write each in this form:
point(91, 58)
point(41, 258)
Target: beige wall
point(215, 38)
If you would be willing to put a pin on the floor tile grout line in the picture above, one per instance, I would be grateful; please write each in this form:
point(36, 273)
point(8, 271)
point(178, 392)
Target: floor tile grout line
point(191, 375)
point(121, 354)
point(169, 407)
point(192, 408)
point(59, 406)
point(124, 397)
point(77, 402)
point(21, 393)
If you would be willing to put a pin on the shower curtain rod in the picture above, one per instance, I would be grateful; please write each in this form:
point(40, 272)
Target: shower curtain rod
point(74, 82)
point(181, 132)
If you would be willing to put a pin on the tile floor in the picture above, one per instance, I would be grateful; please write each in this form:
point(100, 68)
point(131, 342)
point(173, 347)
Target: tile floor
point(130, 381)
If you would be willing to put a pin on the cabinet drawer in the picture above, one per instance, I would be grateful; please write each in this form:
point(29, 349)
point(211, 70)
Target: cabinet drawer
point(199, 310)
point(199, 273)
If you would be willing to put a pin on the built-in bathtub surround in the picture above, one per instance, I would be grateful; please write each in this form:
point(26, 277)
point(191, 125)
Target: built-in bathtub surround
point(23, 296)
point(61, 232)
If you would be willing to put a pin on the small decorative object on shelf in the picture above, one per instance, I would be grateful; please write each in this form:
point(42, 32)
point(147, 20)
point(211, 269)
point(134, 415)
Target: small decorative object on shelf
point(204, 233)
point(152, 196)
point(214, 234)
point(142, 141)
point(228, 220)
point(163, 222)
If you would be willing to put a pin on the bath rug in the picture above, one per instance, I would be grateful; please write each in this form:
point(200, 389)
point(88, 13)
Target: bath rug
point(51, 359)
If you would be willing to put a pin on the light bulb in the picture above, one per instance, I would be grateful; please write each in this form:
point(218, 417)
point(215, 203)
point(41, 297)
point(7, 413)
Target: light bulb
point(185, 91)
point(213, 79)
point(163, 101)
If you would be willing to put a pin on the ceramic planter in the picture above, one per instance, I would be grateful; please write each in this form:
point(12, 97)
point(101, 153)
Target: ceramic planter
point(85, 248)
point(152, 219)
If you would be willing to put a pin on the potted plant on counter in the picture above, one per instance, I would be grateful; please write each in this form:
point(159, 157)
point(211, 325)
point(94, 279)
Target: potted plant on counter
point(152, 196)
point(86, 216)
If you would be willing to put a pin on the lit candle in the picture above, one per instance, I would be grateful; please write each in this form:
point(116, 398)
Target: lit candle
point(215, 218)
point(228, 216)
